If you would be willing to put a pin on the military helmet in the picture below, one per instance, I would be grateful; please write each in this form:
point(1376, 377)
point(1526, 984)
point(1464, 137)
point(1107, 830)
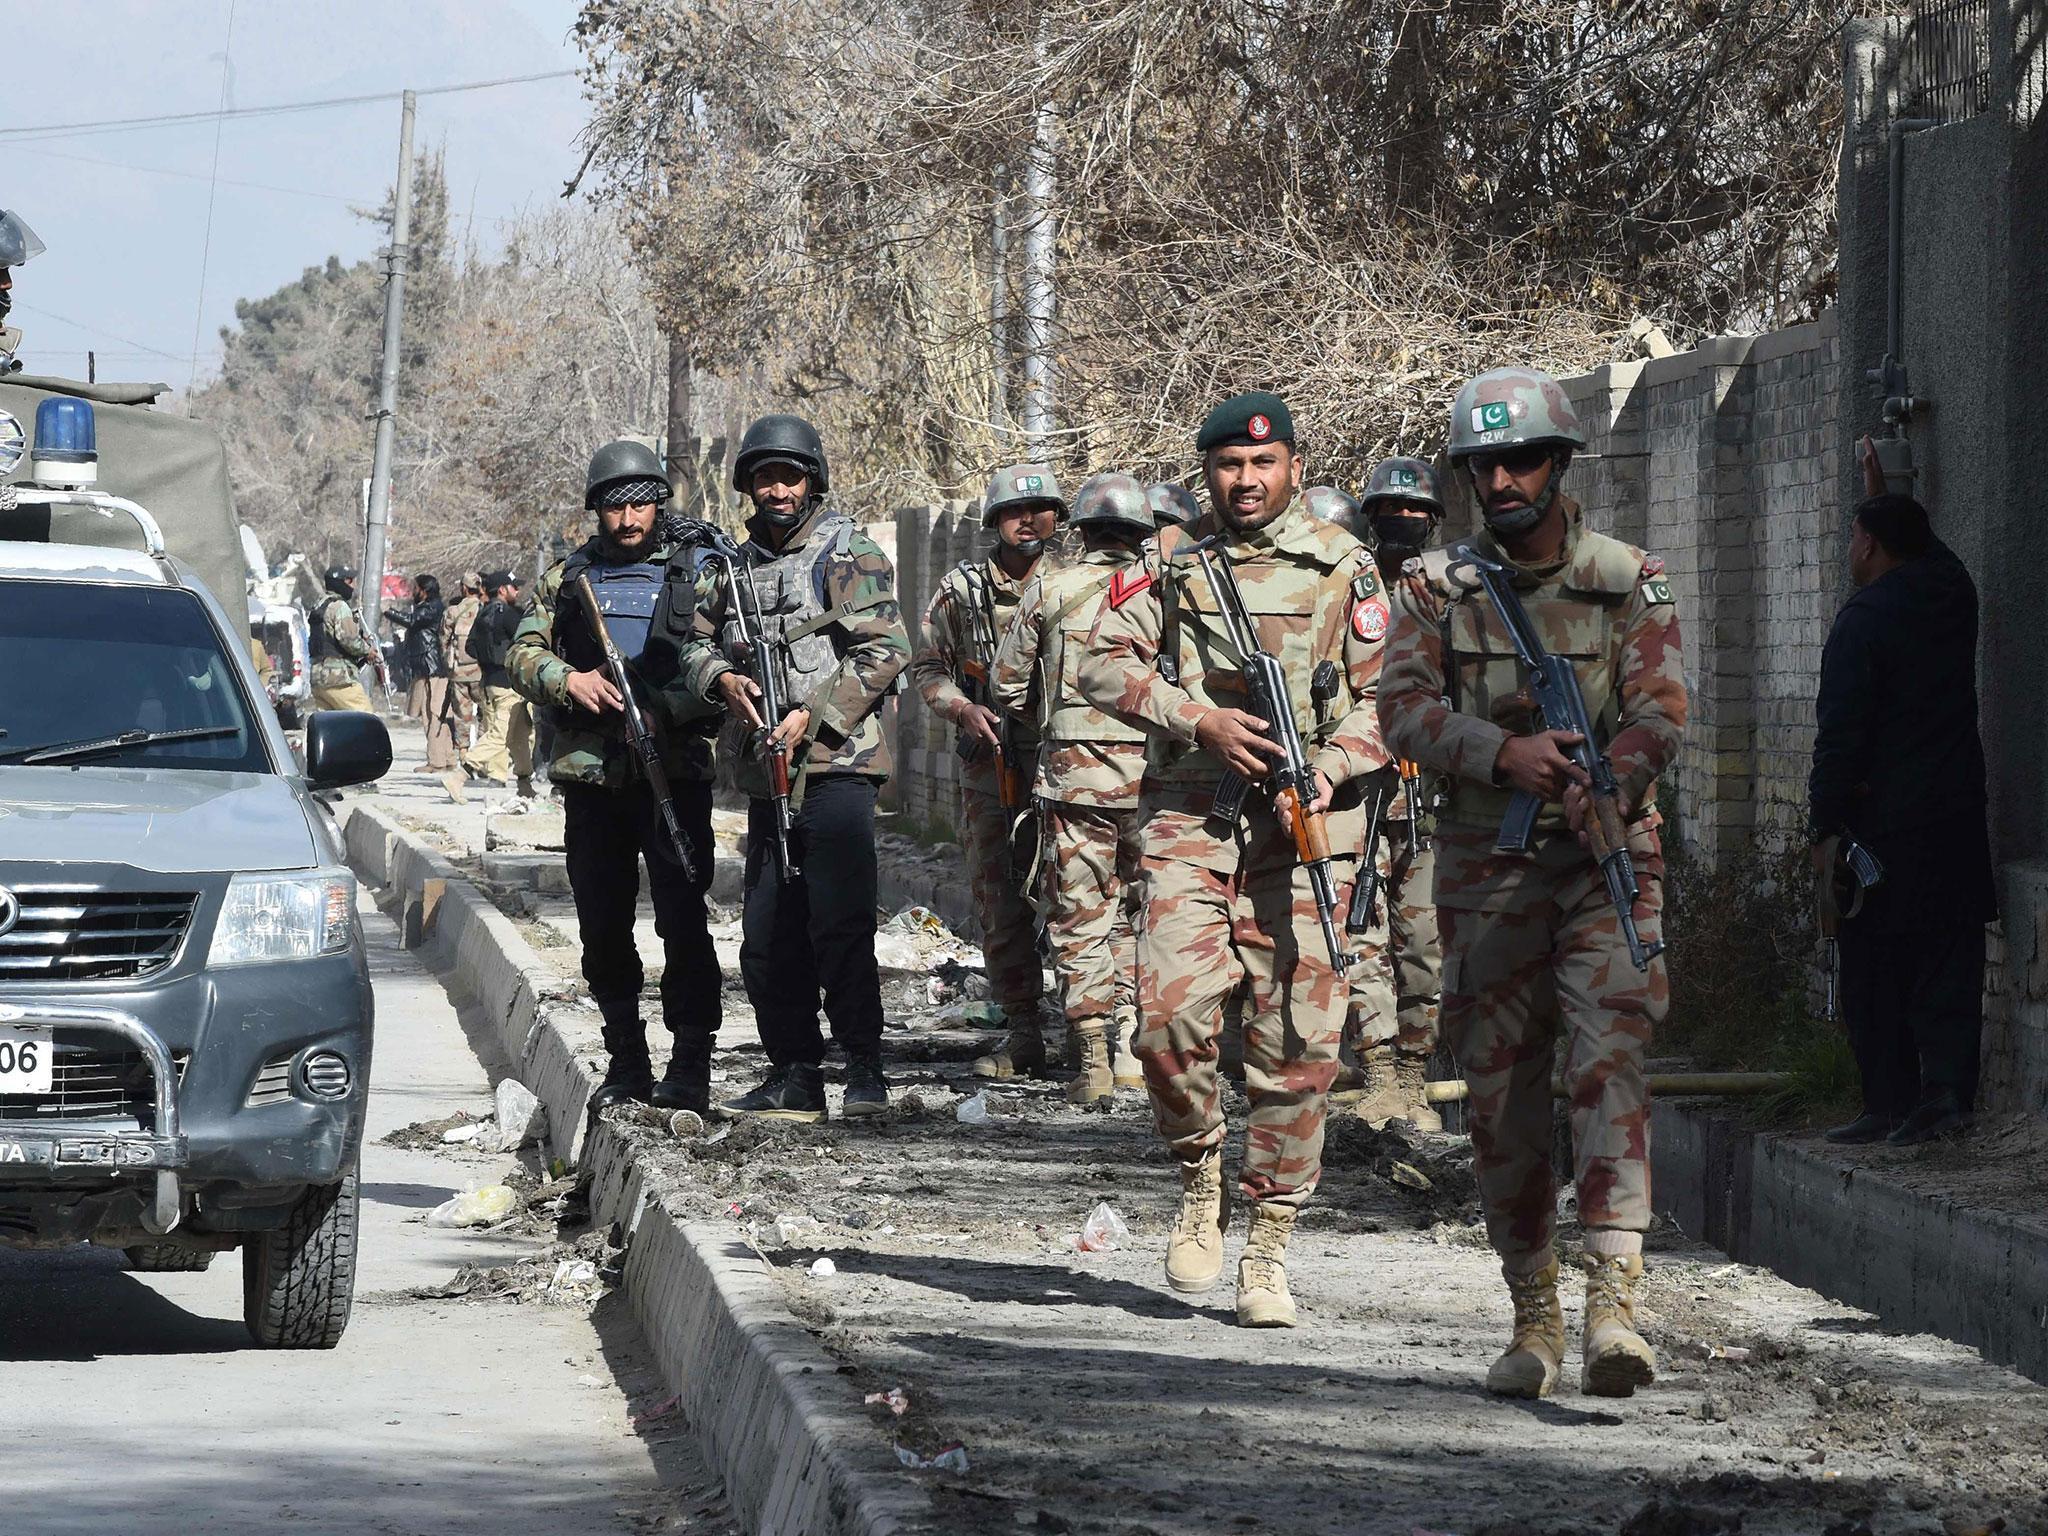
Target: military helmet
point(1021, 484)
point(1172, 503)
point(1400, 479)
point(17, 241)
point(624, 474)
point(781, 439)
point(339, 579)
point(1112, 499)
point(1331, 505)
point(1510, 407)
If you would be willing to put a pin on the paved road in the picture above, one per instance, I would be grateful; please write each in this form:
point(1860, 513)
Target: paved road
point(136, 1403)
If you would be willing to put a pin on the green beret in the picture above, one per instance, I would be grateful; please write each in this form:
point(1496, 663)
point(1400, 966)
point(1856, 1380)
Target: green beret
point(1253, 417)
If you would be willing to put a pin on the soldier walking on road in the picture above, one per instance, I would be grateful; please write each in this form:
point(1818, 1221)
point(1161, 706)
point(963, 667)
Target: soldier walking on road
point(967, 617)
point(504, 746)
point(1402, 507)
point(831, 629)
point(338, 645)
point(1233, 902)
point(1533, 946)
point(1089, 765)
point(611, 818)
point(465, 678)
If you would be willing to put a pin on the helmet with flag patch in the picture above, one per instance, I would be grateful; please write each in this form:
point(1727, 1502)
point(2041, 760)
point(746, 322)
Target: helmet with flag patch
point(1509, 408)
point(1021, 485)
point(1401, 479)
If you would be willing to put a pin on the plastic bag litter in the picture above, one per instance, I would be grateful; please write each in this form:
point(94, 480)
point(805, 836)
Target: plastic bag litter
point(952, 1458)
point(824, 1269)
point(521, 1121)
point(895, 1399)
point(469, 1131)
point(898, 952)
point(920, 920)
point(1103, 1230)
point(571, 1273)
point(475, 1207)
point(789, 1228)
point(972, 1111)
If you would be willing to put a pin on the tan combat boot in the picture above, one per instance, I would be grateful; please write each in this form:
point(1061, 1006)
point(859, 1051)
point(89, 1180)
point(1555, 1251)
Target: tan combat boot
point(1530, 1365)
point(1125, 1070)
point(1411, 1075)
point(1092, 1082)
point(1615, 1360)
point(1021, 1054)
point(1382, 1100)
point(1263, 1300)
point(1194, 1249)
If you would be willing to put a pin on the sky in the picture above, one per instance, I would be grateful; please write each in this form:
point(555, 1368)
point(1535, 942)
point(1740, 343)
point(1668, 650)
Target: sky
point(132, 268)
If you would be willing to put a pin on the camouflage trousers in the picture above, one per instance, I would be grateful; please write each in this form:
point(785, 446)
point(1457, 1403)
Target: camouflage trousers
point(1009, 928)
point(1534, 960)
point(1095, 856)
point(1412, 945)
point(1202, 933)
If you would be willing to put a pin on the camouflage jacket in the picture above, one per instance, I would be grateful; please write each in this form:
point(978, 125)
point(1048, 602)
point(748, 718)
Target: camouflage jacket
point(939, 669)
point(1604, 604)
point(1086, 757)
point(541, 677)
point(829, 584)
point(1315, 596)
point(456, 624)
point(1429, 568)
point(339, 644)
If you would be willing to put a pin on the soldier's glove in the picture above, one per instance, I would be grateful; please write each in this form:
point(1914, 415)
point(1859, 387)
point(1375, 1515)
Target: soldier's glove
point(1827, 909)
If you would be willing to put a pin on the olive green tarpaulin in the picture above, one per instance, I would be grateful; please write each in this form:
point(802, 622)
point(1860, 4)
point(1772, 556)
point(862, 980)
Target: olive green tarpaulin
point(172, 466)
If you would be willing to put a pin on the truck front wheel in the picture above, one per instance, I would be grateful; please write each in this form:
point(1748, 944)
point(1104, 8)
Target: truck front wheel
point(298, 1282)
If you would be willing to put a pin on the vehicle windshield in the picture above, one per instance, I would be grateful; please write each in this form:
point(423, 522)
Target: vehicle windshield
point(125, 676)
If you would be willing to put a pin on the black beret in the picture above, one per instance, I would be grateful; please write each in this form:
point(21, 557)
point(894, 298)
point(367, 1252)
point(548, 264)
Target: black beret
point(496, 579)
point(1254, 417)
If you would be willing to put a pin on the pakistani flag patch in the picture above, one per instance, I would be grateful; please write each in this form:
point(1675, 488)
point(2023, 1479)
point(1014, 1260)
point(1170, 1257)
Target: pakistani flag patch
point(1030, 482)
point(1405, 478)
point(1493, 416)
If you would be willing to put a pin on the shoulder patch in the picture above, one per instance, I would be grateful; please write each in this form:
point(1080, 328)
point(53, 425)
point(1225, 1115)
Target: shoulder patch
point(1369, 619)
point(1127, 584)
point(1657, 590)
point(1653, 565)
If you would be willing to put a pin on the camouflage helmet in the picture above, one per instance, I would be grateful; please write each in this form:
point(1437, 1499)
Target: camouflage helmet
point(1172, 504)
point(1112, 500)
point(1331, 505)
point(1509, 407)
point(1400, 479)
point(1019, 485)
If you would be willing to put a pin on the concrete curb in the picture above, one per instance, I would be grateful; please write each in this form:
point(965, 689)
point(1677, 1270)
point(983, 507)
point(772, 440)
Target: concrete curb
point(1918, 1261)
point(794, 1462)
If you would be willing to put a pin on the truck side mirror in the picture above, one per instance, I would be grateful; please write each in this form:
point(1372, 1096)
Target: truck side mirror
point(345, 746)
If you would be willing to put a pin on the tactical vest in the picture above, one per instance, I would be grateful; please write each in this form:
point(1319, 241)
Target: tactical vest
point(1580, 615)
point(627, 596)
point(1072, 597)
point(796, 619)
point(319, 644)
point(959, 585)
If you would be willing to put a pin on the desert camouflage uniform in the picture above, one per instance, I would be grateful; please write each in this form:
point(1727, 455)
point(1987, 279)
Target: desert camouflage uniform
point(1008, 926)
point(465, 675)
point(346, 648)
point(1089, 766)
point(1532, 947)
point(1225, 906)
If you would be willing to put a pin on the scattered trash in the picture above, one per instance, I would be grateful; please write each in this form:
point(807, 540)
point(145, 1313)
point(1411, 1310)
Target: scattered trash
point(572, 1273)
point(951, 1458)
point(1409, 1176)
point(1733, 1352)
point(896, 1399)
point(521, 1120)
point(920, 920)
point(824, 1269)
point(789, 1229)
point(686, 1125)
point(475, 1207)
point(972, 1111)
point(898, 952)
point(654, 1413)
point(456, 1135)
point(1103, 1230)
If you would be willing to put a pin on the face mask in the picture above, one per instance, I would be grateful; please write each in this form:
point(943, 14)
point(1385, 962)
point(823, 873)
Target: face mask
point(1404, 533)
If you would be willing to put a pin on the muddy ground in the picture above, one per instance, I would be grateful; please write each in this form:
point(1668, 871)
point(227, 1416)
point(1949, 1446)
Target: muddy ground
point(1088, 1397)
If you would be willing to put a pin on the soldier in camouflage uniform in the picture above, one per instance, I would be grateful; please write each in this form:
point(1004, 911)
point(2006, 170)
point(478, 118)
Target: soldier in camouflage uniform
point(1089, 764)
point(465, 677)
point(1400, 512)
point(1227, 904)
point(1334, 506)
point(968, 614)
point(1533, 951)
point(339, 647)
point(834, 633)
point(611, 818)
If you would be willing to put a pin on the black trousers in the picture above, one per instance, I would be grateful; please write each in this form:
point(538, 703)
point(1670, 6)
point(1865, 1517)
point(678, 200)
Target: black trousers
point(1914, 1005)
point(607, 830)
point(815, 935)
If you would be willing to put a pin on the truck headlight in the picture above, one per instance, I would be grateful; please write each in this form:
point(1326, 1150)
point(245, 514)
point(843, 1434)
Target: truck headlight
point(283, 917)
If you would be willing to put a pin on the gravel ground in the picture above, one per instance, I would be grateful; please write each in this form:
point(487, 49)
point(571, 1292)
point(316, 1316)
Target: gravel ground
point(1089, 1397)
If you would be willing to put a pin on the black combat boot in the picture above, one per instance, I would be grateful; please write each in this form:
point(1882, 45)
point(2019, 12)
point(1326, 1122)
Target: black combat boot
point(795, 1092)
point(630, 1072)
point(687, 1082)
point(867, 1091)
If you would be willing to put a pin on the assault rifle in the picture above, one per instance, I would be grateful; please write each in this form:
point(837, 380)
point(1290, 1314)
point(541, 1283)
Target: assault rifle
point(639, 734)
point(1411, 792)
point(1561, 706)
point(978, 668)
point(759, 661)
point(1365, 890)
point(1291, 780)
point(378, 664)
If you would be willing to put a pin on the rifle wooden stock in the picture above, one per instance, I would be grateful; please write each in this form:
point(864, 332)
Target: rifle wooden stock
point(639, 735)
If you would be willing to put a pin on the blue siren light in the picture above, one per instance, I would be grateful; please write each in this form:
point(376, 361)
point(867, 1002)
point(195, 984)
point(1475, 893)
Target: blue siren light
point(66, 451)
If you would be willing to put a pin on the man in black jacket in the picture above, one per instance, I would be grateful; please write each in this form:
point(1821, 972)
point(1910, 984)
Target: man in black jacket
point(1898, 767)
point(427, 698)
point(504, 742)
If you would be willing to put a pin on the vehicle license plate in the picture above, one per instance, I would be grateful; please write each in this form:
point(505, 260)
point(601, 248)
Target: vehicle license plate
point(24, 1061)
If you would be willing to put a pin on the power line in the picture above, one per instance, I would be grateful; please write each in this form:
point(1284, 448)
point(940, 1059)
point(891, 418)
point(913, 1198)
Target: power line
point(227, 59)
point(237, 114)
point(159, 170)
point(80, 325)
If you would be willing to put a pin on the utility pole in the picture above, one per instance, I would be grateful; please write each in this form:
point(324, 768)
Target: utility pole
point(1039, 243)
point(377, 519)
point(999, 310)
point(682, 440)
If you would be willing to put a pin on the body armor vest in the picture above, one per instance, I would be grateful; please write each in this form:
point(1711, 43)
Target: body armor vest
point(796, 621)
point(1073, 597)
point(626, 596)
point(319, 646)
